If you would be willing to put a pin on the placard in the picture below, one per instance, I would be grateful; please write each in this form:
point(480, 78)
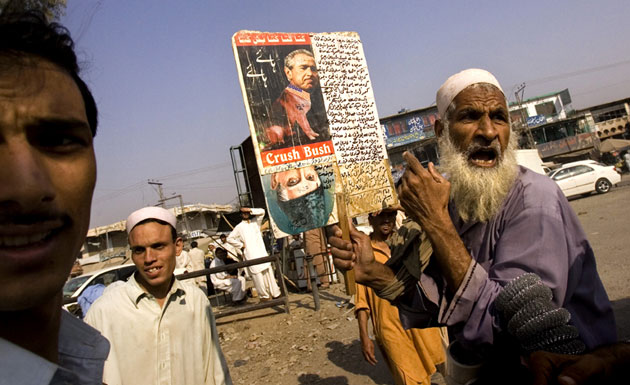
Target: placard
point(314, 126)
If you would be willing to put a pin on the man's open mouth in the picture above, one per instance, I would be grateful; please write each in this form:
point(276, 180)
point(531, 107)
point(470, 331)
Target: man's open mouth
point(484, 157)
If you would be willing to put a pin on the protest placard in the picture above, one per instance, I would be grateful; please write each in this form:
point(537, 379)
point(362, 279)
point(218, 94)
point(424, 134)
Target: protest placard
point(314, 125)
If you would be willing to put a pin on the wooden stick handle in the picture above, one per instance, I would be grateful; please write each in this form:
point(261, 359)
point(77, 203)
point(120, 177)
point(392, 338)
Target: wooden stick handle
point(348, 276)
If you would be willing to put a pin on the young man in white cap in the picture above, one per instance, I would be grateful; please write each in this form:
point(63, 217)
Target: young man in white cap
point(161, 330)
point(489, 223)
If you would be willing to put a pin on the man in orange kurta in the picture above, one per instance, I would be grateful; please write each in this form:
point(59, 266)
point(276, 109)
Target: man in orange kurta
point(411, 355)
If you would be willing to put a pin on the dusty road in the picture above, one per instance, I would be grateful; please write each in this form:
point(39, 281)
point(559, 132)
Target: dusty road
point(606, 221)
point(308, 347)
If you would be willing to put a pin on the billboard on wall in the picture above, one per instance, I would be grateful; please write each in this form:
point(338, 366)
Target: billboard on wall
point(314, 126)
point(409, 129)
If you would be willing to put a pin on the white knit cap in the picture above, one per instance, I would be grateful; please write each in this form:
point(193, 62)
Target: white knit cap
point(150, 213)
point(458, 82)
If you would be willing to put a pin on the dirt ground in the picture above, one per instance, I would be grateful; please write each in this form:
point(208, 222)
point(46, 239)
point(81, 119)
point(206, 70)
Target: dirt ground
point(269, 346)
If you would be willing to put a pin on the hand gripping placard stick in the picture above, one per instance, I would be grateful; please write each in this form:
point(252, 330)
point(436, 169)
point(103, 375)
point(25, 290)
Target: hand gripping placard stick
point(348, 276)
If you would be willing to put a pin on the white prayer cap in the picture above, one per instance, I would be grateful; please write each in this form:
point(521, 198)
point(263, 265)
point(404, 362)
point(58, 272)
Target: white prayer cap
point(458, 82)
point(150, 213)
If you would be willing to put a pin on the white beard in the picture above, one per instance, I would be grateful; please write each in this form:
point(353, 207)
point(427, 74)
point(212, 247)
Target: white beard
point(477, 192)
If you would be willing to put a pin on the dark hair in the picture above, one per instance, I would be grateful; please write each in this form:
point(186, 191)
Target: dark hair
point(193, 244)
point(149, 220)
point(29, 34)
point(220, 253)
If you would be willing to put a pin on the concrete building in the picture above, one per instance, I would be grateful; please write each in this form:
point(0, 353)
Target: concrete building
point(542, 109)
point(411, 130)
point(106, 242)
point(610, 119)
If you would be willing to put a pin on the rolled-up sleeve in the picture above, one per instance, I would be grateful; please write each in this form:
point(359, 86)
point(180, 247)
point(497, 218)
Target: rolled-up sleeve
point(535, 232)
point(534, 240)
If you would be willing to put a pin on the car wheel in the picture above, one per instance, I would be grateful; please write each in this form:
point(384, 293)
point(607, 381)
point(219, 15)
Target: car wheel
point(602, 185)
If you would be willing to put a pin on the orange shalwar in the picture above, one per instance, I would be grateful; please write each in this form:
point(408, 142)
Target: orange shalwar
point(412, 354)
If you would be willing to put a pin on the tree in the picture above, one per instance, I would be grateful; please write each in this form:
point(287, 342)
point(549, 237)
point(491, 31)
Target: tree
point(52, 9)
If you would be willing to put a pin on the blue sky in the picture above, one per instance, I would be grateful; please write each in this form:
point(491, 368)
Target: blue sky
point(164, 76)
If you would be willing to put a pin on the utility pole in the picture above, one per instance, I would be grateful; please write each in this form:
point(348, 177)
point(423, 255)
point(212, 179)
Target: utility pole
point(519, 98)
point(162, 202)
point(160, 192)
point(181, 207)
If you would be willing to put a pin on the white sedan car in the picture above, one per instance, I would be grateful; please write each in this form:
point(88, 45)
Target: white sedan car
point(77, 285)
point(584, 177)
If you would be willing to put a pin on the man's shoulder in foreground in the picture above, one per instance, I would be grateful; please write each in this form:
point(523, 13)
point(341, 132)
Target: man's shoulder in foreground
point(82, 353)
point(533, 190)
point(535, 182)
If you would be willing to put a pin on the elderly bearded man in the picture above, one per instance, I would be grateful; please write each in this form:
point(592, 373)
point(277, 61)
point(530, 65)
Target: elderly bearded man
point(491, 222)
point(161, 330)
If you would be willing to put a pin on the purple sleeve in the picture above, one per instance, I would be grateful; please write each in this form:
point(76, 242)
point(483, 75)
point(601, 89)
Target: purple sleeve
point(536, 232)
point(533, 241)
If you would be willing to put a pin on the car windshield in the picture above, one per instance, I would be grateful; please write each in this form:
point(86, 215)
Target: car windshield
point(72, 285)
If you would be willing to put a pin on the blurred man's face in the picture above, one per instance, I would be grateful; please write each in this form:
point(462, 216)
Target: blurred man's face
point(295, 183)
point(46, 181)
point(153, 252)
point(303, 74)
point(384, 223)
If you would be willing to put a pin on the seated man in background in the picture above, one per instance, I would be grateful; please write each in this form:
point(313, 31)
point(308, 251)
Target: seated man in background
point(232, 283)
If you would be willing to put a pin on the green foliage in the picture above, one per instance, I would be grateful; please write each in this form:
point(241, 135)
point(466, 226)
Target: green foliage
point(52, 9)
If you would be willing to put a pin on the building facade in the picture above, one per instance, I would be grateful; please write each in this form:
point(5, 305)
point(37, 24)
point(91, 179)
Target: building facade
point(411, 131)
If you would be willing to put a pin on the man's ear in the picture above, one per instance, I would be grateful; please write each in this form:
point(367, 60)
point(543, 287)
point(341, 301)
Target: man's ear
point(287, 71)
point(179, 245)
point(439, 128)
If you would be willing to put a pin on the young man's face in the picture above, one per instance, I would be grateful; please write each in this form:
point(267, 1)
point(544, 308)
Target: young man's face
point(153, 252)
point(384, 223)
point(47, 179)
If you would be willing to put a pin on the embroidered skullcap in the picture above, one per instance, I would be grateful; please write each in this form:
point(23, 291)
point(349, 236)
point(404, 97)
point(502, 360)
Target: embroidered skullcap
point(150, 213)
point(458, 82)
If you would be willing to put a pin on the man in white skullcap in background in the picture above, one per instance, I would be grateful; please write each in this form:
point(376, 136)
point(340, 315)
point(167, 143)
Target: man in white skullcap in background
point(502, 237)
point(161, 330)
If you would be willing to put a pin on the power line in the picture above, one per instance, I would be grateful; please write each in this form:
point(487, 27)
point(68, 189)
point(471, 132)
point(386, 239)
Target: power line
point(193, 172)
point(577, 73)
